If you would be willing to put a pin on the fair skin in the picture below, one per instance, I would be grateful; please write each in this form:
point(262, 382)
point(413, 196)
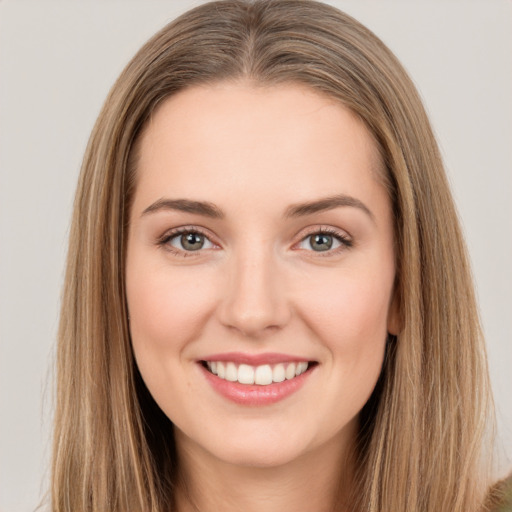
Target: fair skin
point(251, 275)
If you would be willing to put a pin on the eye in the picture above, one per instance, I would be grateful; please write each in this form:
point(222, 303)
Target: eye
point(324, 241)
point(187, 241)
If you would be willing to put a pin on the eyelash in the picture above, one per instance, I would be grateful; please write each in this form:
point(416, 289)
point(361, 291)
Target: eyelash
point(169, 235)
point(343, 239)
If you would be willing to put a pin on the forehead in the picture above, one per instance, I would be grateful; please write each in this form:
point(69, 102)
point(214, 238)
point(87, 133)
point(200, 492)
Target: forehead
point(252, 140)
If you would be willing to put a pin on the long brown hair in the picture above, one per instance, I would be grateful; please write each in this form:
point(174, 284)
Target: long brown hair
point(422, 433)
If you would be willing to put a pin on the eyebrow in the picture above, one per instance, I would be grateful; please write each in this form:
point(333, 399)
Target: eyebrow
point(185, 205)
point(326, 203)
point(207, 209)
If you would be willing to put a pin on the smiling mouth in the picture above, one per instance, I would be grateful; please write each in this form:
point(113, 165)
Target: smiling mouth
point(261, 375)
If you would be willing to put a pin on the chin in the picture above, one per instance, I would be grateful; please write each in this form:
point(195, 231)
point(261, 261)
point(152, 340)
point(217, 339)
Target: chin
point(255, 446)
point(257, 456)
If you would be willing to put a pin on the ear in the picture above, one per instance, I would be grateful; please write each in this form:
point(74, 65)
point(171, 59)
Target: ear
point(395, 313)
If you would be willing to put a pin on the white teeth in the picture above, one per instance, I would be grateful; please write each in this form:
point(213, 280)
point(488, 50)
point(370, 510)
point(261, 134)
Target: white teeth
point(231, 372)
point(278, 374)
point(245, 374)
point(301, 368)
point(290, 371)
point(262, 375)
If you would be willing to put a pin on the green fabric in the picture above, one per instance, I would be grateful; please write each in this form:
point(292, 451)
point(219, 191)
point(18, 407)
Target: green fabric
point(503, 491)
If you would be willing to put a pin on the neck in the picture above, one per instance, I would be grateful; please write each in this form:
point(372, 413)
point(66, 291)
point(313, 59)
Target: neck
point(321, 478)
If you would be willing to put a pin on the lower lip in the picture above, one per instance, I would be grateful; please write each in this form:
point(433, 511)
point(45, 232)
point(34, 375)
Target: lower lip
point(252, 394)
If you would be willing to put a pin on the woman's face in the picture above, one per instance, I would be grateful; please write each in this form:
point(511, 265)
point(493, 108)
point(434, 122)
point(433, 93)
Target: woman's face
point(260, 242)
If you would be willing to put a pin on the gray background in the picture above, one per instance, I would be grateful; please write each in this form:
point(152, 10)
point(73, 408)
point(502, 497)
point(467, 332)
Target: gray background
point(57, 62)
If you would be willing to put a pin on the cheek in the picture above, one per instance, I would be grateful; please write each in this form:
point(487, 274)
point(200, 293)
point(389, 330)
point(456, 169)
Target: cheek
point(348, 310)
point(166, 307)
point(348, 313)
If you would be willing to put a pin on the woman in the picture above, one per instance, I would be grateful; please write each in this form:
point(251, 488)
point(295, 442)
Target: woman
point(268, 301)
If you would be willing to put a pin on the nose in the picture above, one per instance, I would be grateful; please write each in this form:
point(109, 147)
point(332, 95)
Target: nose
point(254, 302)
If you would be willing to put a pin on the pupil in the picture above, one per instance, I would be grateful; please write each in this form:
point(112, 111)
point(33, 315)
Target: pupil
point(192, 241)
point(321, 242)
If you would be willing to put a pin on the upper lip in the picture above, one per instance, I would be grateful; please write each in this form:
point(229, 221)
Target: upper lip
point(255, 359)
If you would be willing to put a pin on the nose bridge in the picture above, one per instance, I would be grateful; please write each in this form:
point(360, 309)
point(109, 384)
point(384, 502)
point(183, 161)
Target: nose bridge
point(254, 300)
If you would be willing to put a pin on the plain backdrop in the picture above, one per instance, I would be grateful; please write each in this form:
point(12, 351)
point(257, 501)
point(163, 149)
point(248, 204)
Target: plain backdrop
point(57, 62)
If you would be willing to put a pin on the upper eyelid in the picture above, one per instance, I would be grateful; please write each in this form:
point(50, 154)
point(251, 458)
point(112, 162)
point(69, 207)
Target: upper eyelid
point(171, 233)
point(323, 228)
